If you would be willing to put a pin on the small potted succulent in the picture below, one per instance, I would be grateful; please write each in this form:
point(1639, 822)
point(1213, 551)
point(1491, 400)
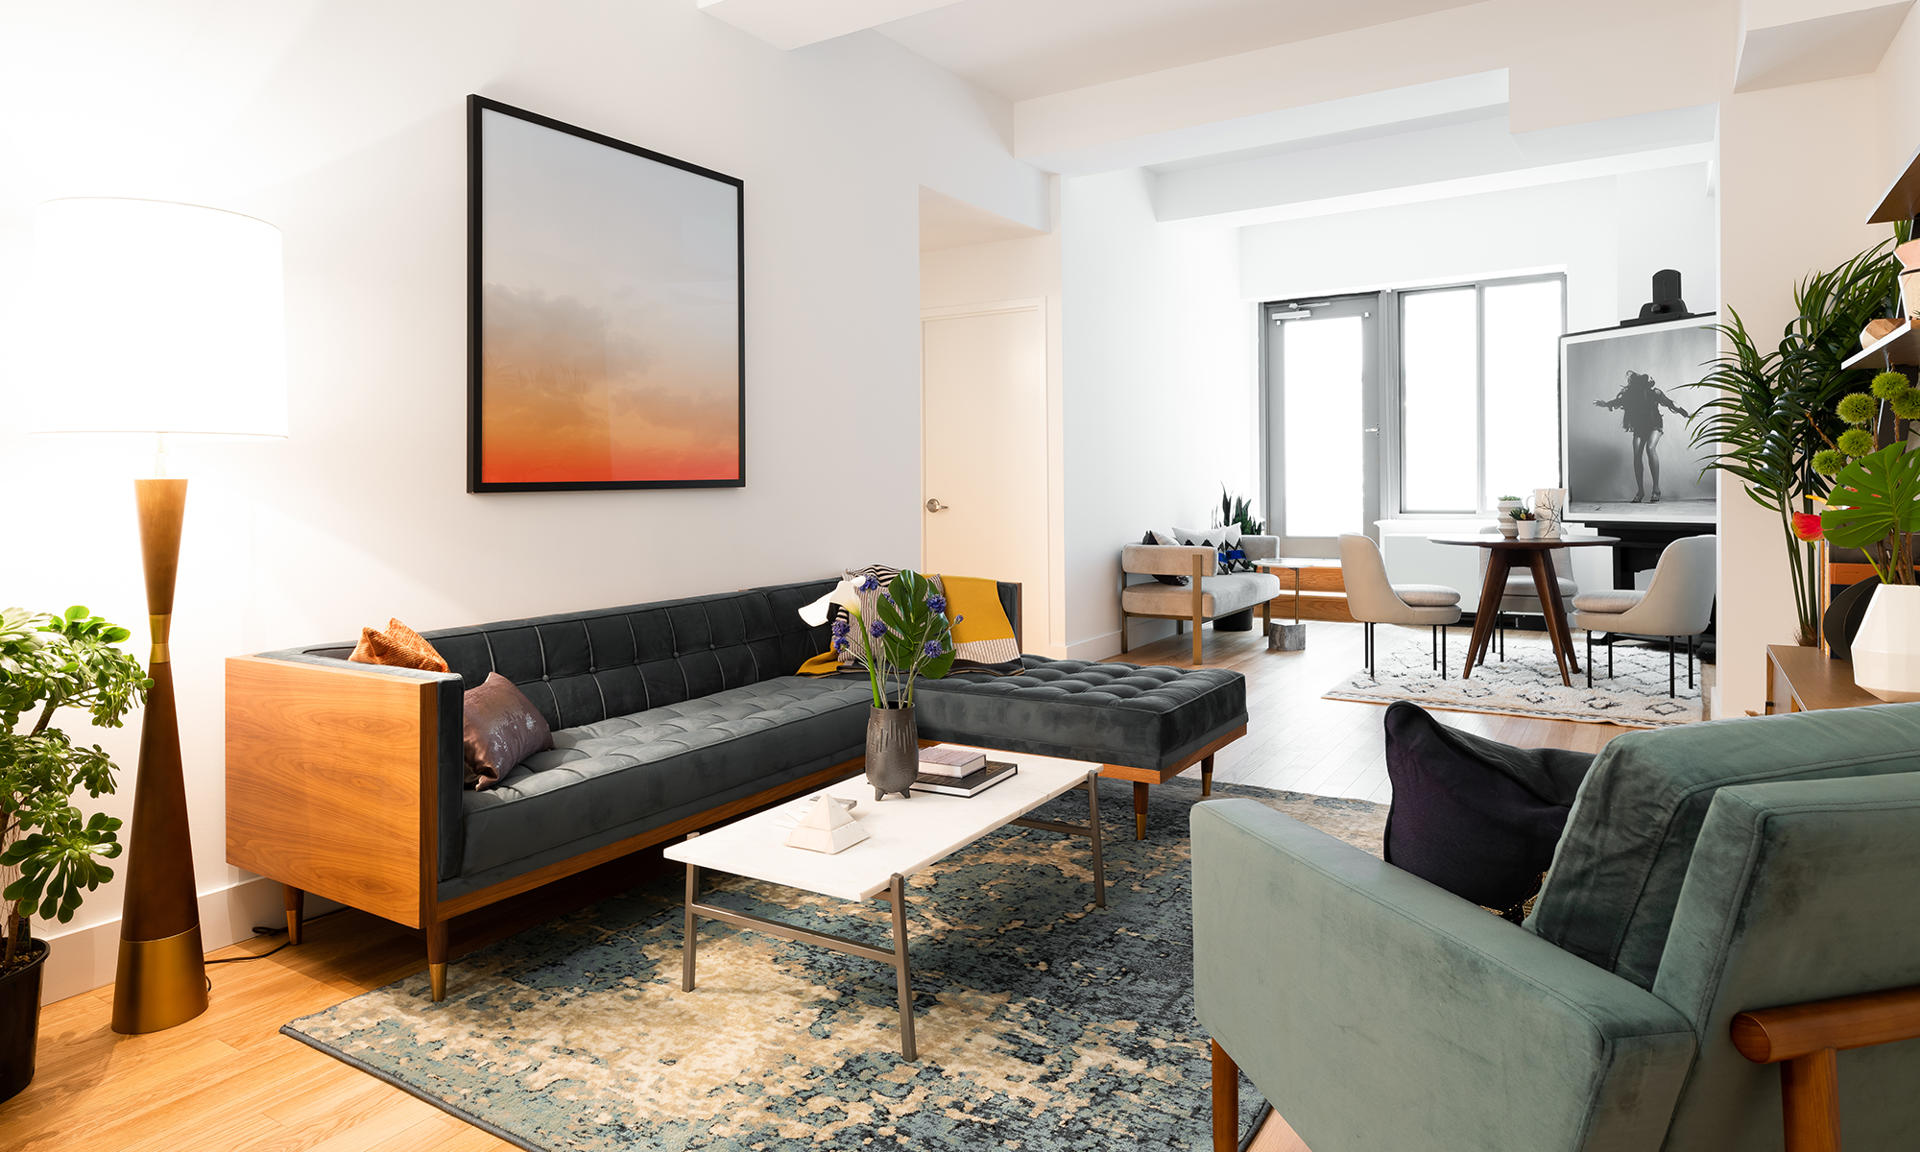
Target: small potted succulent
point(1525, 524)
point(51, 853)
point(1503, 516)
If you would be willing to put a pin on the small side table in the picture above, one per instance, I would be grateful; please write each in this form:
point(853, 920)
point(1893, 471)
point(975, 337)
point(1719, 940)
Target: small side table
point(1804, 680)
point(1292, 637)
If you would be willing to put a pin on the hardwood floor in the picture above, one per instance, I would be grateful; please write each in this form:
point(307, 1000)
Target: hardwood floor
point(229, 1080)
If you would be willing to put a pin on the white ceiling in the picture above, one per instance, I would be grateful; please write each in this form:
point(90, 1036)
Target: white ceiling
point(1026, 48)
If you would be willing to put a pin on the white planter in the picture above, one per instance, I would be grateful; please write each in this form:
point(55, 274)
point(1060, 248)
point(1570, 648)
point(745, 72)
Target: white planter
point(1529, 529)
point(1503, 516)
point(1886, 650)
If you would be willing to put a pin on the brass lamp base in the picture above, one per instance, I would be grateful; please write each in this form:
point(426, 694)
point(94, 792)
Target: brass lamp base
point(159, 983)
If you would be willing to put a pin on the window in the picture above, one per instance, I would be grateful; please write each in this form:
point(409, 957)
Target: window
point(1479, 393)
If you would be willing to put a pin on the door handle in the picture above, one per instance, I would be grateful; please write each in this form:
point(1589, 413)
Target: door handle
point(934, 505)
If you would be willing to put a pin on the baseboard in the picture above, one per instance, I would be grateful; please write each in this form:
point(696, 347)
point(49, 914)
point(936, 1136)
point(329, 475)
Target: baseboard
point(1103, 647)
point(84, 959)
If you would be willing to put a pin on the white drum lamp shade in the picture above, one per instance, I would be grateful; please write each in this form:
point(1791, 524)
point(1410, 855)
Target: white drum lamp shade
point(159, 317)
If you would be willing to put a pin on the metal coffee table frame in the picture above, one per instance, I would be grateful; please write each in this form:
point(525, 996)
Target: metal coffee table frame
point(895, 896)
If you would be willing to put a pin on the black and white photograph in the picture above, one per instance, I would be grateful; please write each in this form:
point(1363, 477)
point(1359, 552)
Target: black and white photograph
point(1630, 396)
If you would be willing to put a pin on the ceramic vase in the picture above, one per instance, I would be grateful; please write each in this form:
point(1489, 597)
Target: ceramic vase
point(1503, 517)
point(1886, 649)
point(1527, 529)
point(893, 751)
point(20, 1020)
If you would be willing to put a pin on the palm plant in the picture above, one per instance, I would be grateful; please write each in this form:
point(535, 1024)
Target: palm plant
point(1775, 407)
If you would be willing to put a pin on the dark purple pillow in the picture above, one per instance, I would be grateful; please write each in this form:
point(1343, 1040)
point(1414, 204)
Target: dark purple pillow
point(1475, 816)
point(500, 728)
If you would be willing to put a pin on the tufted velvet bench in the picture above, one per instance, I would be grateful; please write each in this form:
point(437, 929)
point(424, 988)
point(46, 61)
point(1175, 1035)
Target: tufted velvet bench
point(1145, 725)
point(346, 780)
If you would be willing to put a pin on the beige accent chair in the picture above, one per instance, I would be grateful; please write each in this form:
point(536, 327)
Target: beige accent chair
point(1205, 596)
point(1373, 599)
point(1679, 602)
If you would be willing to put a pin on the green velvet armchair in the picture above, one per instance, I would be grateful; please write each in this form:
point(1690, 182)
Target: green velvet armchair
point(1726, 896)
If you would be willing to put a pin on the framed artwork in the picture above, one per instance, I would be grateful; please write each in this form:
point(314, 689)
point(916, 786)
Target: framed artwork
point(605, 312)
point(1629, 396)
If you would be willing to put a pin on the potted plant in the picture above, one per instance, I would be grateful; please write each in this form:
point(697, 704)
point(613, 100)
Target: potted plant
point(1503, 516)
point(1775, 408)
point(897, 633)
point(1237, 511)
point(1525, 524)
point(1875, 506)
point(51, 853)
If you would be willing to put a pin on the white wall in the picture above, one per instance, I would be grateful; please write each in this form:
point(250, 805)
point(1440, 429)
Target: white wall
point(1159, 387)
point(1609, 235)
point(990, 273)
point(343, 123)
point(1780, 221)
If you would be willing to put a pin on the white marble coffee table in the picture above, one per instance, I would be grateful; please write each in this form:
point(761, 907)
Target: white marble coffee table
point(903, 837)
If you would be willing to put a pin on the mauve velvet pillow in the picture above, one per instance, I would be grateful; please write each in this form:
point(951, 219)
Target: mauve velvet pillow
point(501, 727)
point(1475, 816)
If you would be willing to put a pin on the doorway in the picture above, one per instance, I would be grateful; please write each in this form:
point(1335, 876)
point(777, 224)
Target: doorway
point(985, 469)
point(1322, 399)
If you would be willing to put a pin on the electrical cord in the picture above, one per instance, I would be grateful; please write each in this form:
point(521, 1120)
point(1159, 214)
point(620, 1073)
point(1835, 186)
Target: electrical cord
point(260, 930)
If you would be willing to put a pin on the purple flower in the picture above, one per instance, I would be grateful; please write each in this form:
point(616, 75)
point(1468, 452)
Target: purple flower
point(876, 629)
point(937, 604)
point(840, 643)
point(841, 626)
point(870, 584)
point(933, 648)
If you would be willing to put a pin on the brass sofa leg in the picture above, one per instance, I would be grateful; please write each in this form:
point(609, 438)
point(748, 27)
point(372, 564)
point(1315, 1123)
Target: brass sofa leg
point(1139, 810)
point(437, 959)
point(1226, 1101)
point(296, 903)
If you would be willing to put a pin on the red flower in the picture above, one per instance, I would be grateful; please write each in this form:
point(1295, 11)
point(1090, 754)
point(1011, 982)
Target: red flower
point(1806, 525)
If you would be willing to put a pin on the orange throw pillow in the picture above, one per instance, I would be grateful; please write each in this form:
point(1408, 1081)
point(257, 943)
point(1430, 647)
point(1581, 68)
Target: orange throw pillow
point(399, 646)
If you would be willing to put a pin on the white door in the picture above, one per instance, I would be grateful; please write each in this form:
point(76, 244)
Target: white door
point(984, 450)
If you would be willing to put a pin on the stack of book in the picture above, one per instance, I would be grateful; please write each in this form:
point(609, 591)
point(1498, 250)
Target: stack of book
point(953, 771)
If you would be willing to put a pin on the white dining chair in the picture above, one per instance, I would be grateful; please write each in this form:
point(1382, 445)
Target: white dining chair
point(1677, 605)
point(1373, 599)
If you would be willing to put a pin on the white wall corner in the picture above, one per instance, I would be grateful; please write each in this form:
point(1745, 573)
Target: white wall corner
point(1786, 42)
point(790, 24)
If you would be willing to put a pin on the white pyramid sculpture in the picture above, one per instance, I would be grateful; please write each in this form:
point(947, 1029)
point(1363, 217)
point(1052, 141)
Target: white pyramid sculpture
point(828, 826)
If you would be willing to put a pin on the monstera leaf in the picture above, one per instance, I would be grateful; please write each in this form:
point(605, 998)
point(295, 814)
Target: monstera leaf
point(1874, 498)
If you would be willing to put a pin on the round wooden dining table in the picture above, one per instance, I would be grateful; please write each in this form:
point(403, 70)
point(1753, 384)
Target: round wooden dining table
point(1504, 554)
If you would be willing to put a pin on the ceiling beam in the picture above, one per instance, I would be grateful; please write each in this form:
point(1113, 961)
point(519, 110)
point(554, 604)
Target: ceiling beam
point(790, 24)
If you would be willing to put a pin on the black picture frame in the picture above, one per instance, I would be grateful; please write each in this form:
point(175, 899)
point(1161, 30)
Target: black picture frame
point(1591, 440)
point(478, 107)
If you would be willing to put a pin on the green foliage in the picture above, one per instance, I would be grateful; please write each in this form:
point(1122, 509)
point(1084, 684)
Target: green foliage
point(1829, 461)
point(919, 640)
point(1874, 505)
point(1237, 510)
point(1520, 514)
point(1857, 409)
point(1856, 442)
point(1775, 408)
point(1891, 385)
point(1906, 406)
point(48, 663)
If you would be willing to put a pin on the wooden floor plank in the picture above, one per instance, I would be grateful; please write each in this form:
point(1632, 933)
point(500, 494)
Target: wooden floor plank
point(229, 1079)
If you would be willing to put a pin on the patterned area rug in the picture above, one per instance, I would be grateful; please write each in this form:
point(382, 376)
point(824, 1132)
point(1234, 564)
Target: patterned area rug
point(1044, 1024)
point(1527, 682)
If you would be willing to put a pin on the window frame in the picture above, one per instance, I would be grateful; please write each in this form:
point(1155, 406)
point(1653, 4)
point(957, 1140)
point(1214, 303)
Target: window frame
point(1394, 504)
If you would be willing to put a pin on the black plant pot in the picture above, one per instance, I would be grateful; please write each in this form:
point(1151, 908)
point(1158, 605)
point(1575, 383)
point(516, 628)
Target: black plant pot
point(20, 1020)
point(893, 751)
point(1241, 621)
point(1842, 620)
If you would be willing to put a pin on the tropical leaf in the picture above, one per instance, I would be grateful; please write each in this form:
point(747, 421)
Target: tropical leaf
point(1874, 498)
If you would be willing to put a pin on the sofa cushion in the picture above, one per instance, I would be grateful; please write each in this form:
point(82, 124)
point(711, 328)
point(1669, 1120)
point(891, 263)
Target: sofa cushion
point(1617, 872)
point(1105, 713)
point(1472, 815)
point(1611, 601)
point(629, 773)
point(1219, 595)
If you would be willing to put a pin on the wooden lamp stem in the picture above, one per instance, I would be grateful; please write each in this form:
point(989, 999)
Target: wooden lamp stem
point(161, 978)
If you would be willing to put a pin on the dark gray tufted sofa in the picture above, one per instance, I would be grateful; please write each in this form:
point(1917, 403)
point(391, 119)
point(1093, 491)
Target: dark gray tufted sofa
point(667, 717)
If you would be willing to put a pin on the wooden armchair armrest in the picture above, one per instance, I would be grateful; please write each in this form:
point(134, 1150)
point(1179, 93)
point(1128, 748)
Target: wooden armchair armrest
point(1806, 1039)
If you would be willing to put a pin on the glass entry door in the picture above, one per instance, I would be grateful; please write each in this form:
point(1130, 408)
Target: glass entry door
point(1322, 399)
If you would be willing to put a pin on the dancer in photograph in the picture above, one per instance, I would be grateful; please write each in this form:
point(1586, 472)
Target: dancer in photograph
point(1639, 402)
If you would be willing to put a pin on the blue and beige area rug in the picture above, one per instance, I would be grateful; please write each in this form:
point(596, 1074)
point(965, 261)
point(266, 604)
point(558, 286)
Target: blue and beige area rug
point(1527, 681)
point(1044, 1024)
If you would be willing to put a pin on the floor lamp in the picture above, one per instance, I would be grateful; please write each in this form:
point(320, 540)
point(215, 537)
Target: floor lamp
point(160, 319)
